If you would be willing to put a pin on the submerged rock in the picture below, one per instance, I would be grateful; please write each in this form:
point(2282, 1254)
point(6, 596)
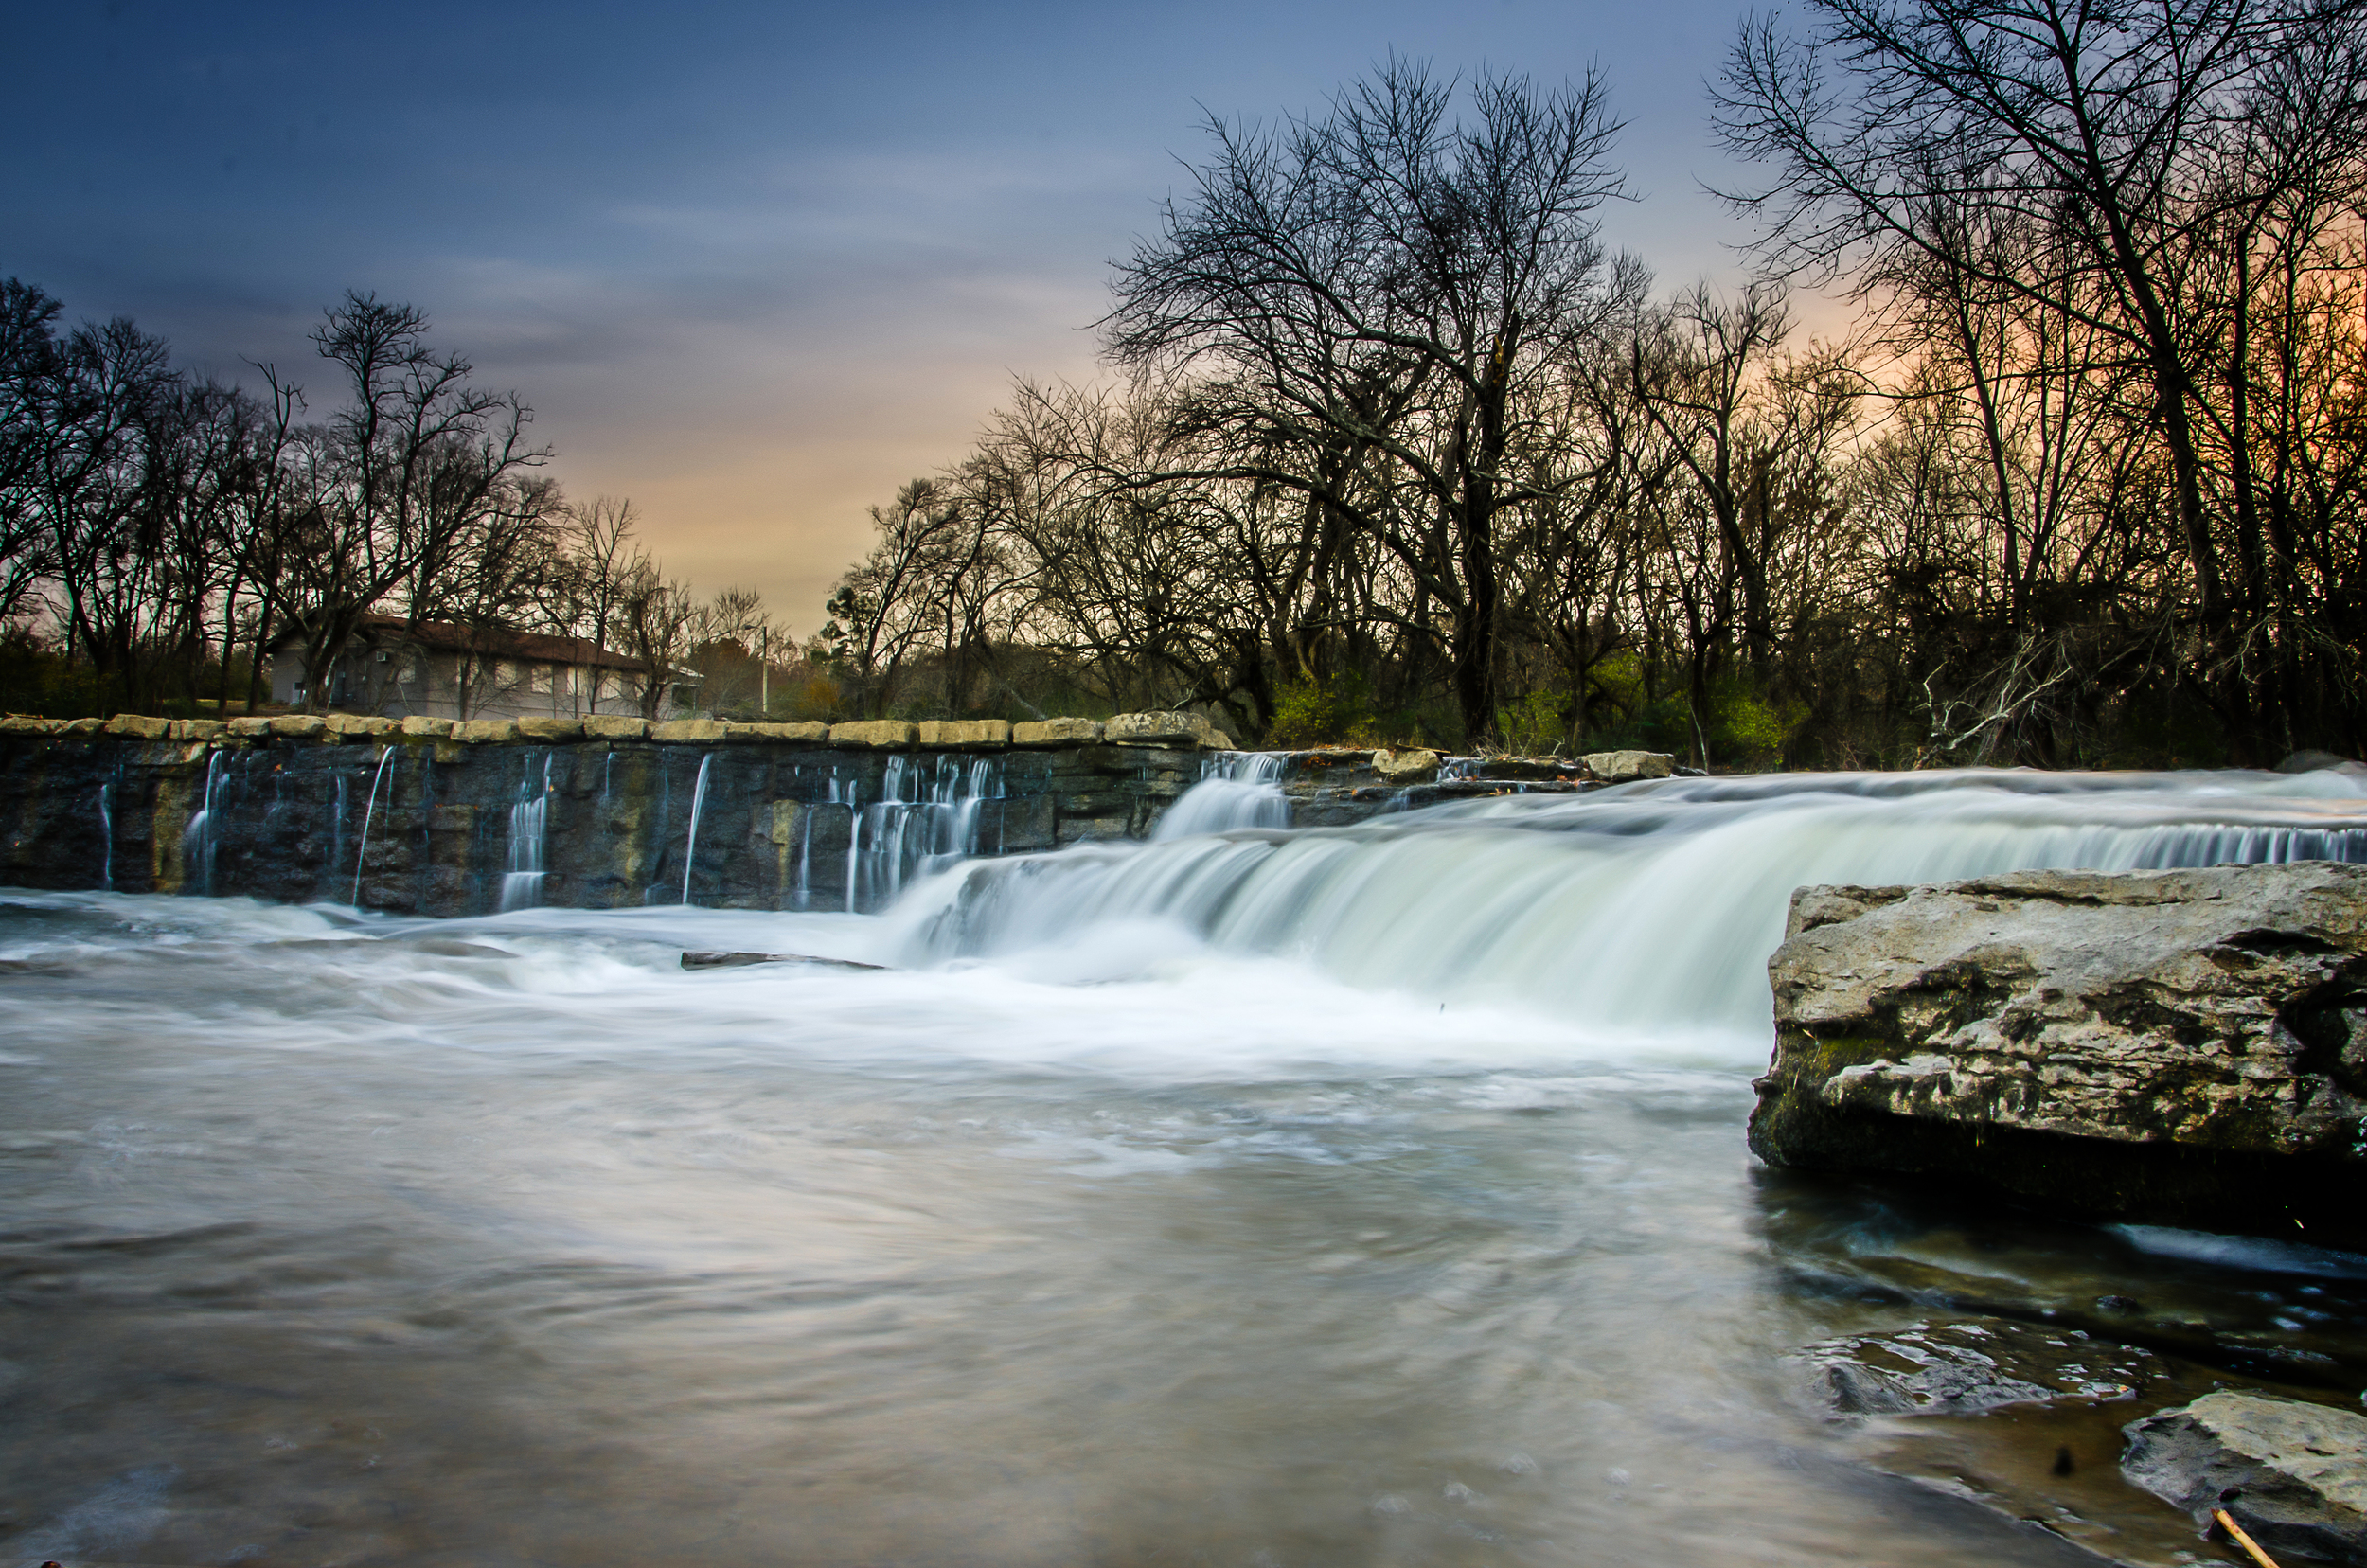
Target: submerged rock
point(2293, 1474)
point(2187, 1047)
point(1965, 1368)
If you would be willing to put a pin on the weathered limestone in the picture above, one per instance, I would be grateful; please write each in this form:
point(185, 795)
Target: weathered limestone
point(358, 726)
point(2181, 1047)
point(1412, 766)
point(140, 728)
point(299, 726)
point(251, 726)
point(550, 732)
point(810, 734)
point(966, 734)
point(686, 731)
point(197, 729)
point(1155, 729)
point(1057, 732)
point(878, 733)
point(433, 729)
point(1626, 767)
point(1165, 729)
point(601, 727)
point(479, 732)
point(2293, 1474)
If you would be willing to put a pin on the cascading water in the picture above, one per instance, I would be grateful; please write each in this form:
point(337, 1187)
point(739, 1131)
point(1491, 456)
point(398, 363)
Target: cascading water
point(1237, 790)
point(387, 754)
point(698, 804)
point(200, 839)
point(927, 818)
point(107, 835)
point(1638, 910)
point(529, 824)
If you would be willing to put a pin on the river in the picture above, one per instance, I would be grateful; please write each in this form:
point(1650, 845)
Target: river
point(1359, 1195)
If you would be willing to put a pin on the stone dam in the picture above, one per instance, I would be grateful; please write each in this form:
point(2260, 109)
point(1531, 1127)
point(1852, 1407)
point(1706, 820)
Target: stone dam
point(432, 817)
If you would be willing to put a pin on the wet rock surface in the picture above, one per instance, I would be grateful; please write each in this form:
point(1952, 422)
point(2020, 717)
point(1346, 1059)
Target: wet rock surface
point(2293, 1474)
point(2186, 1047)
point(437, 817)
point(1967, 1367)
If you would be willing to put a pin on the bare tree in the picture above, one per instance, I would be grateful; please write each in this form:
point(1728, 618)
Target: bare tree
point(2134, 142)
point(1368, 296)
point(418, 457)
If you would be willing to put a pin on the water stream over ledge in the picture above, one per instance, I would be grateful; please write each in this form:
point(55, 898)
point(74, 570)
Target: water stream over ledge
point(1364, 1195)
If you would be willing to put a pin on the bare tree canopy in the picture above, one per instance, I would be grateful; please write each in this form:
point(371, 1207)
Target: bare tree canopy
point(1370, 300)
point(2172, 183)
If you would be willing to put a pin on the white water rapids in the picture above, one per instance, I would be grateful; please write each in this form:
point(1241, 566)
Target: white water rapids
point(1632, 912)
point(1361, 1195)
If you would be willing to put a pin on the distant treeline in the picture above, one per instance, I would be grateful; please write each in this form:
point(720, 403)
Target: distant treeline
point(1397, 447)
point(159, 531)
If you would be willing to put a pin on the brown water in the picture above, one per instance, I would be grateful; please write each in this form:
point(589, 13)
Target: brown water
point(330, 1240)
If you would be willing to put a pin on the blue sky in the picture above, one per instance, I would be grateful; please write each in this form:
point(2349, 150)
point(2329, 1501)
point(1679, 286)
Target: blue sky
point(752, 265)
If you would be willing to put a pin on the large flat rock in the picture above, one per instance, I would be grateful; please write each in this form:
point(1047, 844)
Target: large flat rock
point(2294, 1475)
point(2186, 1047)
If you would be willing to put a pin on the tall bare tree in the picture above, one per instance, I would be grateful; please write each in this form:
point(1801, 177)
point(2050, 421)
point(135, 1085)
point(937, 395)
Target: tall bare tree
point(1369, 295)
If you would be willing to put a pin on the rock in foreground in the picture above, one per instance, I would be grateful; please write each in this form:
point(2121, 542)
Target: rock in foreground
point(2184, 1047)
point(2294, 1475)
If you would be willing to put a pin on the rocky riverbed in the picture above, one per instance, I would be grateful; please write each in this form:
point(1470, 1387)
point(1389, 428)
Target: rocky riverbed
point(2183, 1048)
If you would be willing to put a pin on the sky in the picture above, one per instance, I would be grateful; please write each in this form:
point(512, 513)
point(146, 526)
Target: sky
point(752, 265)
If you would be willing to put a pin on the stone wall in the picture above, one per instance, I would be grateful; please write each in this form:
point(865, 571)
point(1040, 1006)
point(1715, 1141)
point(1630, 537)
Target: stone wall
point(430, 817)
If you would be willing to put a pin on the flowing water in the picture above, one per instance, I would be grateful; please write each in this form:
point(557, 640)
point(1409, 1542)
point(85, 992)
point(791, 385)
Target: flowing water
point(1371, 1195)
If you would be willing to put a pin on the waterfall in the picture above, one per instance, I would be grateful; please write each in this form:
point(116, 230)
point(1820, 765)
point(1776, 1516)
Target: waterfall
point(925, 820)
point(386, 755)
point(336, 833)
point(1646, 909)
point(107, 833)
point(199, 839)
point(529, 822)
point(698, 803)
point(1235, 790)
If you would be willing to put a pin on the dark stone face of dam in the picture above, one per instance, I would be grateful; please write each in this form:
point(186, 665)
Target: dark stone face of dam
point(428, 826)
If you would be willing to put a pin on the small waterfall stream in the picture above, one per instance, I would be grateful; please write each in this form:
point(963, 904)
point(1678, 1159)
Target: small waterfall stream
point(698, 804)
point(201, 838)
point(107, 835)
point(1237, 790)
point(361, 853)
point(529, 826)
point(925, 820)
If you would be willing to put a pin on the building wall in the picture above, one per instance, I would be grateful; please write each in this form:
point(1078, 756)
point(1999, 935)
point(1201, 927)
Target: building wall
point(398, 683)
